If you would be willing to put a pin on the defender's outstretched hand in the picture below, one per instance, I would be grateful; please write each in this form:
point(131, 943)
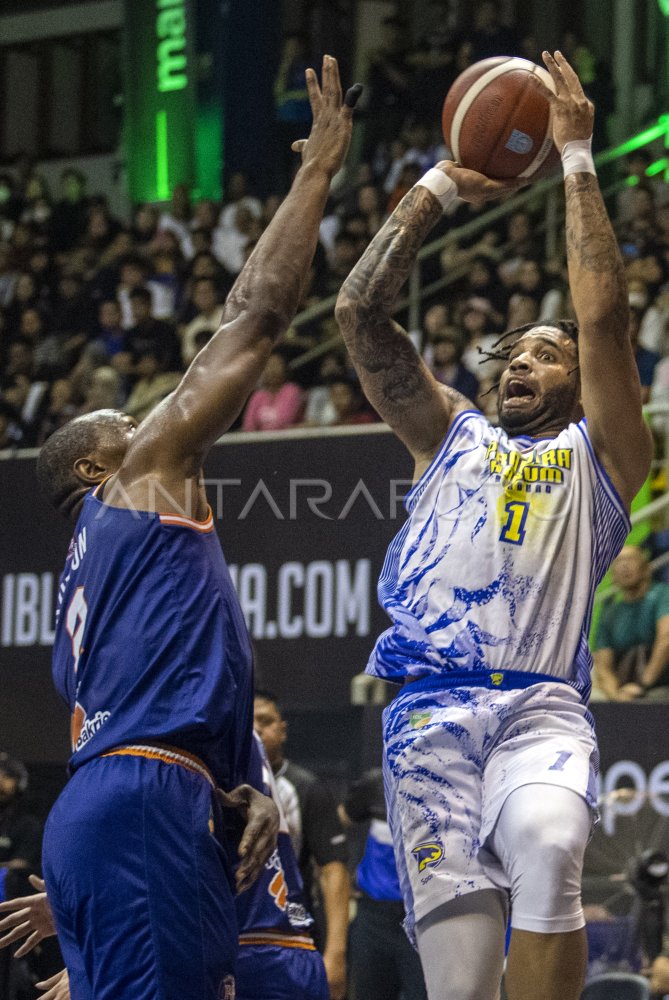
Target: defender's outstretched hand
point(330, 134)
point(260, 832)
point(573, 113)
point(29, 917)
point(58, 987)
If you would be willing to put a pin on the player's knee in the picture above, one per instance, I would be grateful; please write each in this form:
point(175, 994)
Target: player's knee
point(552, 844)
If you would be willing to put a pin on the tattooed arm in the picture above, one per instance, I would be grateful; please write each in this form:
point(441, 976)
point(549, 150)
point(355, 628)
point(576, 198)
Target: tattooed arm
point(395, 379)
point(610, 390)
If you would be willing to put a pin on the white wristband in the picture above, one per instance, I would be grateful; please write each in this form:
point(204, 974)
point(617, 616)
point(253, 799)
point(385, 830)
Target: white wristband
point(577, 157)
point(441, 185)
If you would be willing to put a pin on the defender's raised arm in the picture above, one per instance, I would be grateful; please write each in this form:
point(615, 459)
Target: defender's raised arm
point(264, 298)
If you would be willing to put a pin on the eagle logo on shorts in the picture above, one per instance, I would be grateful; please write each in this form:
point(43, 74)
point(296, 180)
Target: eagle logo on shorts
point(428, 855)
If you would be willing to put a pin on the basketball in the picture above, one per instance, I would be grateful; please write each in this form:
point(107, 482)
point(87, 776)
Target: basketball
point(495, 120)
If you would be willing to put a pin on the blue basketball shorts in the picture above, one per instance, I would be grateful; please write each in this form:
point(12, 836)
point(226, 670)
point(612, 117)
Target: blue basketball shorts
point(139, 885)
point(275, 972)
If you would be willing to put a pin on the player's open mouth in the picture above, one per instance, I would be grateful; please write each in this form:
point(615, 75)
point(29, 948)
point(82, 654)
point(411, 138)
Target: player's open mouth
point(517, 389)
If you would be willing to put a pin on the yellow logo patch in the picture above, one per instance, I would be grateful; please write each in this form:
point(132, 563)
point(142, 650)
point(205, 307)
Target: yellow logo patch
point(496, 679)
point(428, 855)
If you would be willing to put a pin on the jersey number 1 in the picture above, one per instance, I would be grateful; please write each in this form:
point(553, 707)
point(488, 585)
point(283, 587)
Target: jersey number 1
point(513, 530)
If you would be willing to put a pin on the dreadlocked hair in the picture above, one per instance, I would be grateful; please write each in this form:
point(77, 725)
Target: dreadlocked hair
point(501, 349)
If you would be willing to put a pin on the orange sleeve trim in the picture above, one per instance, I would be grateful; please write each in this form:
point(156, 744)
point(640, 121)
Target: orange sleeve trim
point(176, 520)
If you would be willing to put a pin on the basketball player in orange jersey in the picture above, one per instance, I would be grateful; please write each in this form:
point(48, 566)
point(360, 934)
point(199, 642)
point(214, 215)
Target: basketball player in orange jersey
point(151, 652)
point(489, 750)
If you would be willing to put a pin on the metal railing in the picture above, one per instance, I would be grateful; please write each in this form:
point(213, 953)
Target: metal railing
point(549, 190)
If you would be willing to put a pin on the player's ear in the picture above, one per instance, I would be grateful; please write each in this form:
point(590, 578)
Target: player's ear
point(88, 470)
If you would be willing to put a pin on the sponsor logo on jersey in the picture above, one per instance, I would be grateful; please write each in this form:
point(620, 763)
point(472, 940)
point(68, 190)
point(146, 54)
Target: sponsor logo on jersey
point(278, 890)
point(428, 855)
point(83, 729)
point(419, 719)
point(528, 472)
point(519, 142)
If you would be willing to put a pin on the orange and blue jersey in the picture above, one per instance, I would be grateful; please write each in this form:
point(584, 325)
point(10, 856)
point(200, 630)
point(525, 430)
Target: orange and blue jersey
point(277, 957)
point(151, 644)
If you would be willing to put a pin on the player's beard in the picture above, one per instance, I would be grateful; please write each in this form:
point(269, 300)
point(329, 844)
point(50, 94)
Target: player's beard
point(555, 406)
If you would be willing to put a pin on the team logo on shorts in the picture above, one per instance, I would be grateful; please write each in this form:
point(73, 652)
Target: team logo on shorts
point(496, 679)
point(419, 719)
point(519, 142)
point(428, 855)
point(226, 991)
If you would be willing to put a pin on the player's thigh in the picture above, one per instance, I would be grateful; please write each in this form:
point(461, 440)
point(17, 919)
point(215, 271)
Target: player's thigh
point(139, 883)
point(272, 972)
point(433, 766)
point(549, 740)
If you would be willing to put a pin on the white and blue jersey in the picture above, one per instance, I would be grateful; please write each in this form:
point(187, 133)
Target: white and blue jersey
point(495, 569)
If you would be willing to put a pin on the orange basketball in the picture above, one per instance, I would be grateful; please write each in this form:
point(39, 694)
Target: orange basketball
point(495, 120)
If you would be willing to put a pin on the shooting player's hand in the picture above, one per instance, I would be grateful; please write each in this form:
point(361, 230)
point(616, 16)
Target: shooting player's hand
point(260, 832)
point(29, 917)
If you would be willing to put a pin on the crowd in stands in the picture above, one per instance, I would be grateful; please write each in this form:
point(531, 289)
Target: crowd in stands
point(97, 311)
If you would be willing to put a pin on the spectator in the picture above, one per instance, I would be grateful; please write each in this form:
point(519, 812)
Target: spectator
point(349, 403)
point(448, 347)
point(60, 408)
point(230, 241)
point(383, 965)
point(177, 218)
point(320, 411)
point(293, 111)
point(209, 316)
point(631, 656)
point(646, 361)
point(388, 85)
point(111, 337)
point(69, 216)
point(238, 193)
point(133, 272)
point(10, 437)
point(278, 404)
point(490, 37)
point(154, 382)
point(20, 846)
point(318, 840)
point(144, 225)
point(148, 332)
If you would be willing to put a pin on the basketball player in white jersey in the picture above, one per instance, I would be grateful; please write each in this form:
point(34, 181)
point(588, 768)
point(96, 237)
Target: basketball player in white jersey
point(490, 755)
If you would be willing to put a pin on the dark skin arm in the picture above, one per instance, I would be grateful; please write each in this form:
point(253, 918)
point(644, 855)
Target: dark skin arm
point(610, 389)
point(395, 379)
point(170, 445)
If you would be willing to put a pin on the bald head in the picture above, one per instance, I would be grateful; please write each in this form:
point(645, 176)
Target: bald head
point(82, 453)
